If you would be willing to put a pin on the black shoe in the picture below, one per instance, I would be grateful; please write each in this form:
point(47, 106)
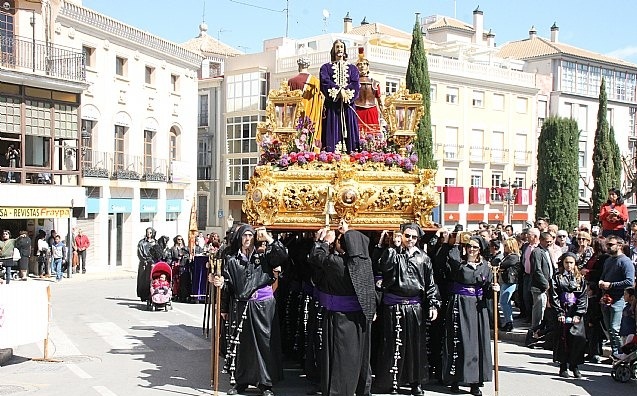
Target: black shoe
point(268, 392)
point(475, 390)
point(576, 373)
point(508, 326)
point(455, 388)
point(564, 374)
point(416, 390)
point(237, 389)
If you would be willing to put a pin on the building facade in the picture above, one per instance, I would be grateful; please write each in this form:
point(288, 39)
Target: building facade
point(572, 78)
point(138, 123)
point(41, 85)
point(483, 116)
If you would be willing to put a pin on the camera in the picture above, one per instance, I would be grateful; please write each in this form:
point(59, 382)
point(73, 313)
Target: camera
point(261, 234)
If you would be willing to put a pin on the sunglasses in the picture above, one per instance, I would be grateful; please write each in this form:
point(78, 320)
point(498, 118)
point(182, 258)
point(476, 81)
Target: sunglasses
point(582, 239)
point(610, 244)
point(411, 236)
point(474, 247)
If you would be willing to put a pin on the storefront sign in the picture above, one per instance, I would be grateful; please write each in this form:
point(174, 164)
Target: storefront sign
point(148, 206)
point(33, 213)
point(120, 205)
point(173, 205)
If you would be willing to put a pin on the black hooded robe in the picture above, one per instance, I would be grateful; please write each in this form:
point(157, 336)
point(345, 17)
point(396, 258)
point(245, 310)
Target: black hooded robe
point(466, 357)
point(345, 363)
point(258, 358)
point(411, 277)
point(146, 253)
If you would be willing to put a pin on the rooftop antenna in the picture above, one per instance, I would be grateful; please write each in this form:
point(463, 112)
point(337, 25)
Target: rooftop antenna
point(326, 14)
point(203, 15)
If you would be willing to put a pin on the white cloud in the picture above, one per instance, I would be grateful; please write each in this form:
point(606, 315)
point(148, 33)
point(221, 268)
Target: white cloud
point(626, 53)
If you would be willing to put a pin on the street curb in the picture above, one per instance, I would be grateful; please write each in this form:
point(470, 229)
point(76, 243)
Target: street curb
point(5, 355)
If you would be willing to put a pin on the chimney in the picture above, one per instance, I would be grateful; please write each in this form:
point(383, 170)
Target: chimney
point(490, 39)
point(555, 32)
point(347, 24)
point(364, 21)
point(478, 25)
point(532, 33)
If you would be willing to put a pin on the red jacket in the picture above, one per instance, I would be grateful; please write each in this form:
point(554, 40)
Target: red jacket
point(82, 242)
point(610, 221)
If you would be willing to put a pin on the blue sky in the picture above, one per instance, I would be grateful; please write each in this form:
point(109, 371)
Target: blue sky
point(606, 27)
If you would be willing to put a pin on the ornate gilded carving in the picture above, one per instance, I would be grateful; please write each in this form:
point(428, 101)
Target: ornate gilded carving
point(282, 113)
point(403, 111)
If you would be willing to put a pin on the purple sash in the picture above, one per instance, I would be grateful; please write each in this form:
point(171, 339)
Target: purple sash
point(262, 294)
point(568, 298)
point(465, 290)
point(393, 299)
point(339, 303)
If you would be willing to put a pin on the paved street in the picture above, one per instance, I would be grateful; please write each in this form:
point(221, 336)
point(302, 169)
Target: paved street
point(108, 344)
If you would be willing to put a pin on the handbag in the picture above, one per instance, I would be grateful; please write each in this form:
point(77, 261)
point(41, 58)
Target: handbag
point(16, 254)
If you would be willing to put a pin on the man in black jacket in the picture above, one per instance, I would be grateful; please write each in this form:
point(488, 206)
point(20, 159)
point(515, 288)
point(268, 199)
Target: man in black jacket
point(541, 272)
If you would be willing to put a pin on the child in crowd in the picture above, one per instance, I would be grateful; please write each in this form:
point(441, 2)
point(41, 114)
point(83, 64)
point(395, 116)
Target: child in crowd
point(628, 316)
point(160, 290)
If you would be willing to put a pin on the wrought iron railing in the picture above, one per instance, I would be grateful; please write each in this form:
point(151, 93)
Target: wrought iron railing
point(38, 57)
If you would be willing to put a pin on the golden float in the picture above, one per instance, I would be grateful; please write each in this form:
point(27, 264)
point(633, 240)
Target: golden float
point(371, 190)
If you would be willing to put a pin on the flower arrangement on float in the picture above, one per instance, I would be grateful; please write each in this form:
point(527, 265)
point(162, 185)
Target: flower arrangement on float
point(376, 153)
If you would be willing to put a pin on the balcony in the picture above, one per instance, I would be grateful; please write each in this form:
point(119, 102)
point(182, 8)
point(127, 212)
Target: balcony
point(499, 156)
point(121, 166)
point(477, 154)
point(32, 56)
point(522, 158)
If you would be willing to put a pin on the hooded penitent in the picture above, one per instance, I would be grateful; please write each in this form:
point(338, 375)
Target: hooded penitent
point(359, 265)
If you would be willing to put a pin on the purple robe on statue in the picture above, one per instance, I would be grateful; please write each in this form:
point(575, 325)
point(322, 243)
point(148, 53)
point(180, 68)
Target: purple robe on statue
point(341, 124)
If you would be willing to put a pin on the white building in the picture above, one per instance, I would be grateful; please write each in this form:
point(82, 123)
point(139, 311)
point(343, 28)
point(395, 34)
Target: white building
point(483, 114)
point(139, 126)
point(41, 82)
point(572, 78)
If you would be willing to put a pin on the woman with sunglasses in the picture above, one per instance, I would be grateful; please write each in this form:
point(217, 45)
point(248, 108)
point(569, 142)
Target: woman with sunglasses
point(583, 250)
point(466, 355)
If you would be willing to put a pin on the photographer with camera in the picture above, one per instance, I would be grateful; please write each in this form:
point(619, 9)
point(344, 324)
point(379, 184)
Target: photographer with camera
point(13, 157)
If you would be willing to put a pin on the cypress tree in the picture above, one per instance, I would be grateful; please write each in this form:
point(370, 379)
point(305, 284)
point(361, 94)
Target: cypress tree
point(417, 81)
point(616, 157)
point(603, 168)
point(558, 172)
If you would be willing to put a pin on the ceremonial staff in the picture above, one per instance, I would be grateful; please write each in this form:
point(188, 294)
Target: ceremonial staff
point(205, 328)
point(496, 288)
point(217, 262)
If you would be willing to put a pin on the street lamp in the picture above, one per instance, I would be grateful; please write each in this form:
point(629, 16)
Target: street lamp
point(507, 192)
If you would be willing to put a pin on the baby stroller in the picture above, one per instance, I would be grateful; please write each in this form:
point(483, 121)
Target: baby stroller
point(625, 369)
point(160, 287)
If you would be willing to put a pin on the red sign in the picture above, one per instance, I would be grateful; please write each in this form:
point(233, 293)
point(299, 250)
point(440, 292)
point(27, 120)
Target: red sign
point(478, 195)
point(523, 196)
point(497, 217)
point(453, 195)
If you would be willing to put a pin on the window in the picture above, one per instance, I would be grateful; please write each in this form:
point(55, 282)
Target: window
point(452, 95)
point(581, 189)
point(498, 102)
point(568, 110)
point(214, 69)
point(88, 127)
point(632, 133)
point(496, 181)
point(521, 105)
point(6, 32)
point(609, 117)
point(241, 134)
point(568, 77)
point(620, 85)
point(582, 118)
point(119, 148)
point(520, 180)
point(582, 77)
point(89, 56)
point(520, 154)
point(497, 147)
point(476, 149)
point(391, 86)
point(451, 177)
point(247, 92)
point(149, 193)
point(37, 151)
point(174, 82)
point(451, 143)
point(173, 142)
point(476, 178)
point(149, 75)
point(478, 99)
point(582, 154)
point(542, 112)
point(239, 172)
point(148, 152)
point(121, 66)
point(203, 110)
point(433, 92)
point(204, 158)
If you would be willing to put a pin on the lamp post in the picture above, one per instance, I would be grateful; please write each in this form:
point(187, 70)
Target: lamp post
point(507, 193)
